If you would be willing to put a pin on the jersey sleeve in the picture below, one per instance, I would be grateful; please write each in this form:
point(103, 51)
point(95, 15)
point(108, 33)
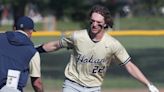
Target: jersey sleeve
point(67, 41)
point(121, 54)
point(35, 66)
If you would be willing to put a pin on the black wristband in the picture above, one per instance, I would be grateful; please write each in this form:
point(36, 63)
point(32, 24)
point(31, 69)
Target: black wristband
point(40, 49)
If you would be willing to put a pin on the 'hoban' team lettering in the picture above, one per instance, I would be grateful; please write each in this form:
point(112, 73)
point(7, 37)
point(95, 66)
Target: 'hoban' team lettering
point(84, 59)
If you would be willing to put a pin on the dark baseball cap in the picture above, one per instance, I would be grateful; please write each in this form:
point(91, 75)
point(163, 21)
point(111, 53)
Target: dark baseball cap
point(25, 22)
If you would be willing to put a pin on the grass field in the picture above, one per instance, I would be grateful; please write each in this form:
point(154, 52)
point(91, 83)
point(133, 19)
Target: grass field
point(143, 50)
point(147, 53)
point(137, 42)
point(110, 85)
point(144, 22)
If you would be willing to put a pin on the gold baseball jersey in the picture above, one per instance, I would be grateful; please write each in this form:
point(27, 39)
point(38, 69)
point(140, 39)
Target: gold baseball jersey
point(89, 60)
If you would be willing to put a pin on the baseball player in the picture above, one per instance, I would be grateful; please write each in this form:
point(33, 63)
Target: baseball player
point(93, 50)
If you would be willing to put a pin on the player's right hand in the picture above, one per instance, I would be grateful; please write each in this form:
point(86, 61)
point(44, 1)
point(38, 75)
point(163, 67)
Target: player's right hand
point(152, 88)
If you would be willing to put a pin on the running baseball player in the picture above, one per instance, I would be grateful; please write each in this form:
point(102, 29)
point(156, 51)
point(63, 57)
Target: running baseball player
point(93, 50)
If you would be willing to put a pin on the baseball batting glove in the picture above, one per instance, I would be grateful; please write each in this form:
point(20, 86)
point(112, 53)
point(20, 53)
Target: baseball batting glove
point(152, 88)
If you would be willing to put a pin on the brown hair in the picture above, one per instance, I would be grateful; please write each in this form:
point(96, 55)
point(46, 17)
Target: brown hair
point(104, 12)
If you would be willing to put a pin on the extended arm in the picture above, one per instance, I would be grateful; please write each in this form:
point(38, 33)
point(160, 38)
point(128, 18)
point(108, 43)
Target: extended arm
point(55, 45)
point(49, 47)
point(137, 74)
point(125, 59)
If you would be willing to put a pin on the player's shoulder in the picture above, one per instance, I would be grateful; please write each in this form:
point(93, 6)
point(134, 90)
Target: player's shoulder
point(72, 34)
point(111, 41)
point(110, 38)
point(80, 33)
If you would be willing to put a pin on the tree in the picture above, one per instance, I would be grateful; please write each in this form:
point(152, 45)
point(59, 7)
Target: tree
point(18, 7)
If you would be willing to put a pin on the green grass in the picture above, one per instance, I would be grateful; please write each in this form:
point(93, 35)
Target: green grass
point(137, 42)
point(5, 27)
point(147, 23)
point(67, 25)
point(109, 83)
point(40, 40)
point(146, 52)
point(151, 23)
point(121, 82)
point(38, 27)
point(142, 42)
point(61, 26)
point(48, 83)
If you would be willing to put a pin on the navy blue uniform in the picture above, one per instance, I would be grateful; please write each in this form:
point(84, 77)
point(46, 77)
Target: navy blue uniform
point(16, 51)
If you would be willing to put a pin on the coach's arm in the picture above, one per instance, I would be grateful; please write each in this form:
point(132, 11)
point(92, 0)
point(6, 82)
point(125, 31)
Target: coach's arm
point(137, 74)
point(35, 73)
point(37, 84)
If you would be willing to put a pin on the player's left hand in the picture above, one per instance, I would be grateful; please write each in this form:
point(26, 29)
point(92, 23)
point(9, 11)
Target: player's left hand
point(152, 88)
